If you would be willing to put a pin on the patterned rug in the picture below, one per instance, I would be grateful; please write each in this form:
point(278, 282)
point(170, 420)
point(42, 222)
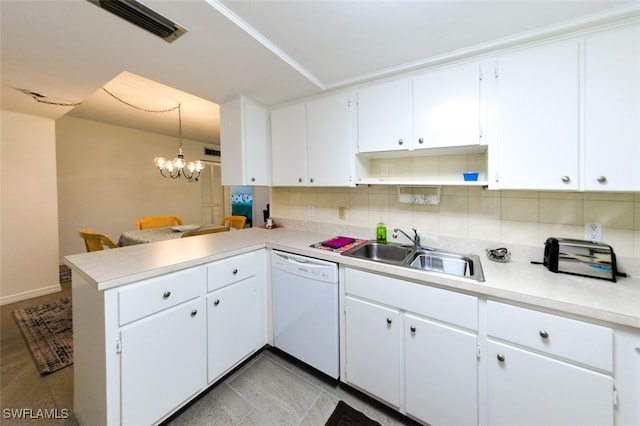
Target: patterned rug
point(345, 415)
point(48, 332)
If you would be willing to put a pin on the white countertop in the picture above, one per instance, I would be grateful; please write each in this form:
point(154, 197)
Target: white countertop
point(516, 281)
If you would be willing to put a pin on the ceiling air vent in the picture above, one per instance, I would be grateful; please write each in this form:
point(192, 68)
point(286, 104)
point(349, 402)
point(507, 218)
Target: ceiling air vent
point(143, 17)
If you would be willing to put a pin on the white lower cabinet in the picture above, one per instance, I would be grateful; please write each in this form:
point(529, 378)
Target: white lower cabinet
point(413, 347)
point(163, 362)
point(441, 372)
point(234, 326)
point(526, 388)
point(545, 369)
point(145, 349)
point(373, 349)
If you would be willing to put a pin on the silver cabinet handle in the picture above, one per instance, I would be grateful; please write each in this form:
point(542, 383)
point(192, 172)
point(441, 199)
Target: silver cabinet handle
point(311, 180)
point(194, 312)
point(421, 141)
point(400, 141)
point(253, 179)
point(566, 179)
point(389, 321)
point(412, 328)
point(299, 180)
point(602, 179)
point(166, 295)
point(500, 357)
point(235, 271)
point(544, 334)
point(216, 302)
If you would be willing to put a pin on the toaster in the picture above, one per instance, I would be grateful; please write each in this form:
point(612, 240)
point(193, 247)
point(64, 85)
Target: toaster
point(580, 257)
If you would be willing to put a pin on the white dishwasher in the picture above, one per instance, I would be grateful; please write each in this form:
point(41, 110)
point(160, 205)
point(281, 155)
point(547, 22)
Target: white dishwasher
point(305, 310)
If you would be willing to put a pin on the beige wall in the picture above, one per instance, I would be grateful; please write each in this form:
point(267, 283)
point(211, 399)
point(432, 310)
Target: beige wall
point(29, 209)
point(107, 180)
point(526, 218)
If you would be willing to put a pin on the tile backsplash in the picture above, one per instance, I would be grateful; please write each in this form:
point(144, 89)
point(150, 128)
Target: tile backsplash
point(516, 217)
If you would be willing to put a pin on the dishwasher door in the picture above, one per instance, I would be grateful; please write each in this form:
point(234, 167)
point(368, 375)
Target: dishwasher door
point(305, 310)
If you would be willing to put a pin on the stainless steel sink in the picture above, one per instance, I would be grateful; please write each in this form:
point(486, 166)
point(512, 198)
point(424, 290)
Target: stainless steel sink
point(460, 265)
point(388, 253)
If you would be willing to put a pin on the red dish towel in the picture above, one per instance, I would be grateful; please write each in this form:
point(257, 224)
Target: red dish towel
point(338, 242)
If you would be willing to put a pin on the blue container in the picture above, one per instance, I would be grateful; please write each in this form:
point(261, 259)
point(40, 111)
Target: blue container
point(470, 176)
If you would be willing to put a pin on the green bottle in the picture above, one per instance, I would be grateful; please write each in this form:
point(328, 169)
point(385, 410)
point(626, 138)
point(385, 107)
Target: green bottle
point(381, 233)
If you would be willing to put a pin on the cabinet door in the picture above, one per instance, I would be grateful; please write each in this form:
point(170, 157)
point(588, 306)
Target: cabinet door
point(289, 146)
point(441, 373)
point(244, 143)
point(384, 117)
point(612, 111)
point(234, 325)
point(256, 143)
point(163, 362)
point(538, 118)
point(373, 349)
point(446, 107)
point(525, 388)
point(329, 150)
point(231, 145)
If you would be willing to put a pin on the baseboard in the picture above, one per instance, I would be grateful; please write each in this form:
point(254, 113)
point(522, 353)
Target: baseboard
point(18, 297)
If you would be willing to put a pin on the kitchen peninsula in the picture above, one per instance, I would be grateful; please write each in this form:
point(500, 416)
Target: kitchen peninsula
point(139, 309)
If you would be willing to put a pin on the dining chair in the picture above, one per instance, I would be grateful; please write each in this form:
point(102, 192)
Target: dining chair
point(157, 222)
point(95, 241)
point(204, 231)
point(234, 221)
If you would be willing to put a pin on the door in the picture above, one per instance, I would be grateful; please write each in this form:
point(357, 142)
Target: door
point(612, 111)
point(329, 151)
point(289, 146)
point(384, 117)
point(212, 194)
point(155, 379)
point(373, 349)
point(441, 373)
point(525, 388)
point(446, 107)
point(538, 118)
point(234, 324)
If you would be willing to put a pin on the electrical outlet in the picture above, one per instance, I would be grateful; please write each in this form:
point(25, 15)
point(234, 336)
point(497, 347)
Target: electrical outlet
point(341, 213)
point(311, 211)
point(593, 232)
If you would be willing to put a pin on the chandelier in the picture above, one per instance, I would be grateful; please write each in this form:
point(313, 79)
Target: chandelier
point(177, 167)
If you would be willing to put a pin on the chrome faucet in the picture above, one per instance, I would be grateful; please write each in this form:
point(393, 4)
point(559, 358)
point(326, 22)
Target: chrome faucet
point(415, 239)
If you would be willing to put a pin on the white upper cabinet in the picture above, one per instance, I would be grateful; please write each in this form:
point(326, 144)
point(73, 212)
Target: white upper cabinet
point(612, 111)
point(289, 146)
point(330, 154)
point(538, 123)
point(244, 143)
point(437, 109)
point(312, 143)
point(384, 117)
point(446, 107)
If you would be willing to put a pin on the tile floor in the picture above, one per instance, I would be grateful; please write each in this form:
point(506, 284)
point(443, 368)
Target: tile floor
point(270, 389)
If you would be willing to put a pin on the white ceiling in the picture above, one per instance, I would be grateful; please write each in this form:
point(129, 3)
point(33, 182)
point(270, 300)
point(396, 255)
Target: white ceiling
point(271, 51)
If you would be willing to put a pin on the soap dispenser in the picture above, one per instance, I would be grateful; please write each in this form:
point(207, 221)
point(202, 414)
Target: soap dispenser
point(381, 233)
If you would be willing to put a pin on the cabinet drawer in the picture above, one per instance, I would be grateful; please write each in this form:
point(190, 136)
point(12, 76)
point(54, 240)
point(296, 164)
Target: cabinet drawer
point(155, 294)
point(231, 270)
point(574, 340)
point(442, 305)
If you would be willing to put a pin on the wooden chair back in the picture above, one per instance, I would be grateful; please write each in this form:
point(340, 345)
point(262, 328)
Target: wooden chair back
point(234, 221)
point(204, 231)
point(157, 222)
point(95, 241)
